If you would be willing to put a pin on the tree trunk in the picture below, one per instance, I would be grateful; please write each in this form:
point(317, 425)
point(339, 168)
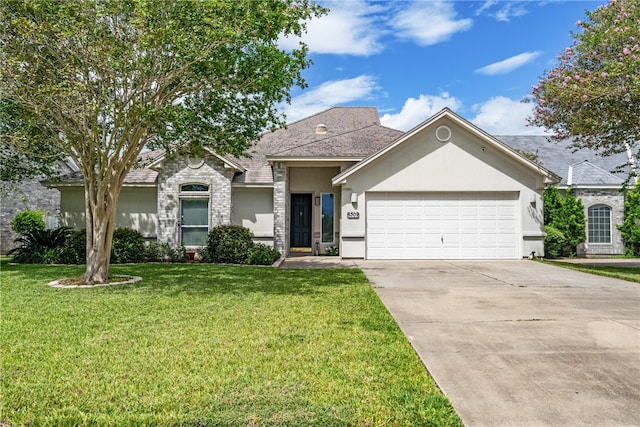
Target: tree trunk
point(100, 210)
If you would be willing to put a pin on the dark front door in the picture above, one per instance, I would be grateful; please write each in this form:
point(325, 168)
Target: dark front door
point(300, 220)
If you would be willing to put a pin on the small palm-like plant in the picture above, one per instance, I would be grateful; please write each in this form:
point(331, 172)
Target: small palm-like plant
point(40, 246)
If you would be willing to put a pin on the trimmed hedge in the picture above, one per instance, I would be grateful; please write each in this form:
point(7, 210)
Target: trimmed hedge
point(228, 244)
point(128, 246)
point(553, 242)
point(261, 254)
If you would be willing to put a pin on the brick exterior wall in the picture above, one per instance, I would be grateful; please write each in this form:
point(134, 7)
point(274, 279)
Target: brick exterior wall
point(614, 199)
point(27, 195)
point(281, 208)
point(176, 172)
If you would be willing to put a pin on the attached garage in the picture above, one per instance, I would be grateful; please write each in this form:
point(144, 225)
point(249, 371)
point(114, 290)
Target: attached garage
point(442, 225)
point(444, 190)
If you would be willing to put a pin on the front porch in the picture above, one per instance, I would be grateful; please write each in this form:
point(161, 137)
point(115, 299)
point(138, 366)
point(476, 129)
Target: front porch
point(306, 207)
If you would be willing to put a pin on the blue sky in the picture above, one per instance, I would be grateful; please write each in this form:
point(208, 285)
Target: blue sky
point(413, 58)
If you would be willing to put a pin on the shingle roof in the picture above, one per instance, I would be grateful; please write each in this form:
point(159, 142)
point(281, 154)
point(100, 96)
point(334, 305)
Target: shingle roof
point(134, 177)
point(355, 132)
point(585, 173)
point(559, 156)
point(351, 132)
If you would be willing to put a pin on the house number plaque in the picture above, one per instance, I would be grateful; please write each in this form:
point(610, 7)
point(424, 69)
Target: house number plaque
point(353, 215)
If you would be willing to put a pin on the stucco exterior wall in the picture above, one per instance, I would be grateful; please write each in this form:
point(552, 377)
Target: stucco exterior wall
point(464, 163)
point(136, 209)
point(612, 198)
point(178, 171)
point(72, 207)
point(253, 208)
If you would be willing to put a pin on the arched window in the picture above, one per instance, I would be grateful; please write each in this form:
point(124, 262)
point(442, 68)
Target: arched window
point(194, 187)
point(599, 224)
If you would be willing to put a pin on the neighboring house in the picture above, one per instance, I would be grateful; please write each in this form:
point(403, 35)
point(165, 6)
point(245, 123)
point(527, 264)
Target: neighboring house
point(445, 189)
point(590, 179)
point(28, 194)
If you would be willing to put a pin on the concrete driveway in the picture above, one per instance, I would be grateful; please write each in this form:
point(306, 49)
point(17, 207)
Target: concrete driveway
point(520, 343)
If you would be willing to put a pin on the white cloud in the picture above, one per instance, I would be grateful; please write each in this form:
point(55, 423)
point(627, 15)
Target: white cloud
point(350, 28)
point(505, 11)
point(329, 94)
point(428, 23)
point(509, 64)
point(505, 116)
point(415, 111)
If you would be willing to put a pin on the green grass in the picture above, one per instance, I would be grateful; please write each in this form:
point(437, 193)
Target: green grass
point(630, 274)
point(208, 345)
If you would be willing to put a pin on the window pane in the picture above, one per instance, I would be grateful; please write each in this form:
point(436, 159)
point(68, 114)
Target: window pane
point(195, 212)
point(599, 224)
point(327, 218)
point(194, 187)
point(194, 236)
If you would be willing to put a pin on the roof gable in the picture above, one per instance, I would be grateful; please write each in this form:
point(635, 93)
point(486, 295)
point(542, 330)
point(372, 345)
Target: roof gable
point(228, 161)
point(430, 123)
point(585, 173)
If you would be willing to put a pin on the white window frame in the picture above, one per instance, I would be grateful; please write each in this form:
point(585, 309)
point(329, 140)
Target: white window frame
point(203, 195)
point(333, 220)
point(589, 222)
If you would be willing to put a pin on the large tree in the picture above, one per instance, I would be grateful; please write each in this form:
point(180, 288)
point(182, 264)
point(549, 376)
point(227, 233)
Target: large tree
point(593, 93)
point(25, 147)
point(105, 78)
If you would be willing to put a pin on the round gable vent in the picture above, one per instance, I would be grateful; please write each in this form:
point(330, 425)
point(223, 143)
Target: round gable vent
point(195, 162)
point(443, 133)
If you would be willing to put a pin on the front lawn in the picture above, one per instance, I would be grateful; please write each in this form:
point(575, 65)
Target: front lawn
point(630, 274)
point(206, 345)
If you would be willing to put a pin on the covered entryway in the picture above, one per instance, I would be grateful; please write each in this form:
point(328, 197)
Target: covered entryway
point(442, 225)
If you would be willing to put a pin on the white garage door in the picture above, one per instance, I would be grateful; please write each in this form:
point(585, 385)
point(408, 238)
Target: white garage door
point(442, 225)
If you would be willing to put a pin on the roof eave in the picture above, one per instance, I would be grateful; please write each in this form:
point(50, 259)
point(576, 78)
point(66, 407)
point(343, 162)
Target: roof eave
point(271, 159)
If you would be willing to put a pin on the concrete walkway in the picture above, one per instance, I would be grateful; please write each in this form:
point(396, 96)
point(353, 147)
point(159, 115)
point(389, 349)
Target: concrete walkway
point(310, 261)
point(520, 343)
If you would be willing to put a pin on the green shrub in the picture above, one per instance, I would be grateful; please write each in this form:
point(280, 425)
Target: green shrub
point(164, 252)
point(630, 228)
point(228, 244)
point(40, 246)
point(261, 254)
point(553, 242)
point(128, 246)
point(28, 220)
point(565, 214)
point(74, 250)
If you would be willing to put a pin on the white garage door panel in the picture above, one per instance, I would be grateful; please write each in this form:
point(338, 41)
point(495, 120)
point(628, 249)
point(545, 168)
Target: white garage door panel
point(442, 225)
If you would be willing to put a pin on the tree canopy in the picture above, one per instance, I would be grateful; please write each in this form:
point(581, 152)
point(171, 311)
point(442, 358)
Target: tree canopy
point(593, 93)
point(99, 80)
